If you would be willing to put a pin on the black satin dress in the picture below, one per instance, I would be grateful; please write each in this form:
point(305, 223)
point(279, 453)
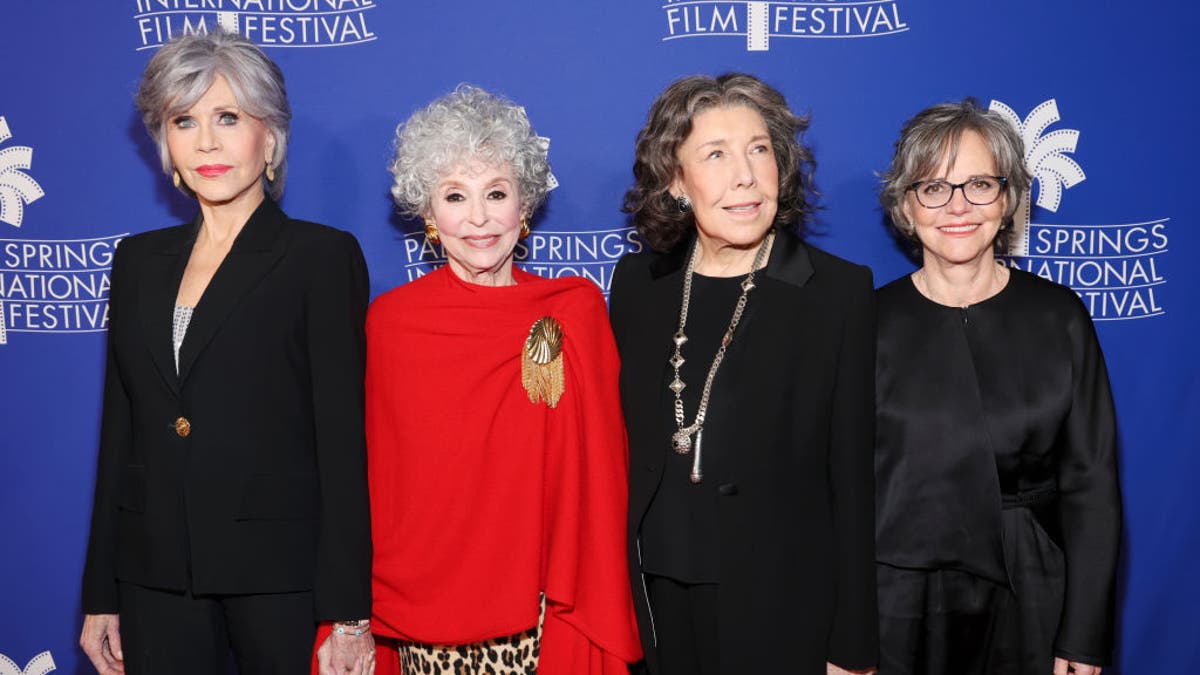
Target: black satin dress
point(998, 506)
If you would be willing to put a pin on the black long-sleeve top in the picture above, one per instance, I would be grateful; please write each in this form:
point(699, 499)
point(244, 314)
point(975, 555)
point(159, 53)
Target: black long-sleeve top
point(1000, 403)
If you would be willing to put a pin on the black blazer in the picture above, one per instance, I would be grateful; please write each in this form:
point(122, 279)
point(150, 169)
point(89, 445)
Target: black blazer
point(266, 492)
point(796, 498)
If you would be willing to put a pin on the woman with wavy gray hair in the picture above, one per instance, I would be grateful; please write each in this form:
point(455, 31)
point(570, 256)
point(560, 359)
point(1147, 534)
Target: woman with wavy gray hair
point(230, 511)
point(998, 506)
point(746, 381)
point(496, 448)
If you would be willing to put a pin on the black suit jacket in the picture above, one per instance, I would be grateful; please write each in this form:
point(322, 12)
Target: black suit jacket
point(267, 493)
point(795, 511)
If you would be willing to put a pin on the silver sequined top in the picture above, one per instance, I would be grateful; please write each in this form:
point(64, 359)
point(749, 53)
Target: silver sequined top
point(179, 325)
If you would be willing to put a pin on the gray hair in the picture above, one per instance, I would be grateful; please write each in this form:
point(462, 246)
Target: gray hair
point(465, 126)
point(183, 70)
point(654, 210)
point(934, 135)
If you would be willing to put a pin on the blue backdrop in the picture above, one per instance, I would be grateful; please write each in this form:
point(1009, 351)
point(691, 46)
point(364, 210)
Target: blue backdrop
point(1105, 94)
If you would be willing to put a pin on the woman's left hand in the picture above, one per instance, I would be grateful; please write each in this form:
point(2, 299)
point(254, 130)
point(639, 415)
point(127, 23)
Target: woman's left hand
point(1063, 667)
point(342, 654)
point(833, 669)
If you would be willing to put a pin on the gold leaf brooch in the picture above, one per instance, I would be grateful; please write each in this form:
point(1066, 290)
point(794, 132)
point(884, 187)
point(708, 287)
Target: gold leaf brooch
point(542, 362)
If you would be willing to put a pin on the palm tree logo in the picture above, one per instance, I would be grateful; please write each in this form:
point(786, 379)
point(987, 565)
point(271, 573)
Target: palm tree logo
point(39, 665)
point(17, 188)
point(1046, 157)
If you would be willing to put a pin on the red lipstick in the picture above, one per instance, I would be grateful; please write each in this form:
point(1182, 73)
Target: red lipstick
point(213, 170)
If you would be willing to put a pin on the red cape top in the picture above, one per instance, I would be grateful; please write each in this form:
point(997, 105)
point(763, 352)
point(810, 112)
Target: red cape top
point(480, 499)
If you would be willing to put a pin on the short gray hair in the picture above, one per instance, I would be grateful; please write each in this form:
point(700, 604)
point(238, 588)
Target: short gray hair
point(465, 126)
point(935, 133)
point(183, 70)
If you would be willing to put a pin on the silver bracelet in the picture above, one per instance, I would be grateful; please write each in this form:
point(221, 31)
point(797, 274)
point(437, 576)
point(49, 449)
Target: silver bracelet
point(352, 628)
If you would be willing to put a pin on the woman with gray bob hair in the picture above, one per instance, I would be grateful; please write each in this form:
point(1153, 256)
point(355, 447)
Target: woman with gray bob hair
point(230, 512)
point(496, 453)
point(998, 509)
point(936, 132)
point(179, 76)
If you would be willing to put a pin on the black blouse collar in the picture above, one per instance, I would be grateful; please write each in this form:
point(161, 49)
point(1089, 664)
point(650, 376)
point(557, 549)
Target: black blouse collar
point(789, 261)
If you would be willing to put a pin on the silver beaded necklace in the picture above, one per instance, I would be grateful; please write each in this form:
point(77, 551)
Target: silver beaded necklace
point(681, 440)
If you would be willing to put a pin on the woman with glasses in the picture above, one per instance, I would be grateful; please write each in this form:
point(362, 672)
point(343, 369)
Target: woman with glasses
point(998, 509)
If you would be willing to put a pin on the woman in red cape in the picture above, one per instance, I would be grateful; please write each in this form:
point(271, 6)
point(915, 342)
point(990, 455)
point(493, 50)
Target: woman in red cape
point(496, 447)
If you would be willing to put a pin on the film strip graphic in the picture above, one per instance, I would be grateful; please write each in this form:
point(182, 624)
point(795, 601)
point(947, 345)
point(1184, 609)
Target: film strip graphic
point(758, 27)
point(39, 665)
point(17, 188)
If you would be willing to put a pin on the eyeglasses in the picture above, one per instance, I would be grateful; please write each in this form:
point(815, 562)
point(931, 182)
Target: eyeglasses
point(978, 190)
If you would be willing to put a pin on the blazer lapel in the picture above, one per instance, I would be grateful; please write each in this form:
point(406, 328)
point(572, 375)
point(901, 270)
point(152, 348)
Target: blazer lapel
point(256, 250)
point(789, 260)
point(156, 297)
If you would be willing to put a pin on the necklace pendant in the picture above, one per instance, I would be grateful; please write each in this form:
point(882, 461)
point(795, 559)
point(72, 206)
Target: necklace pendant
point(681, 441)
point(680, 338)
point(676, 386)
point(748, 284)
point(676, 360)
point(697, 474)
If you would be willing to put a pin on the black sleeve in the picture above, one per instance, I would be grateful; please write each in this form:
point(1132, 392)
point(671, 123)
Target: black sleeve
point(854, 636)
point(116, 438)
point(338, 295)
point(1089, 503)
point(617, 298)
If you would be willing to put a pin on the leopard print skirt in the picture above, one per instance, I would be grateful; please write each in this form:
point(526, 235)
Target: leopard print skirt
point(509, 655)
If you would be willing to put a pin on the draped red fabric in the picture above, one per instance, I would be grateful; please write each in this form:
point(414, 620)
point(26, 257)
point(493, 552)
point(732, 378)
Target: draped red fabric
point(482, 500)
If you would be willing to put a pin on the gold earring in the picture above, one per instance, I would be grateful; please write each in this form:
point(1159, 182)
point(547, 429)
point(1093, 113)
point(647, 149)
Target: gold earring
point(524, 228)
point(175, 178)
point(270, 174)
point(431, 233)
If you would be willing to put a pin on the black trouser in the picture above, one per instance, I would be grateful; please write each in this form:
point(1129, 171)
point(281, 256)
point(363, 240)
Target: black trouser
point(685, 622)
point(173, 633)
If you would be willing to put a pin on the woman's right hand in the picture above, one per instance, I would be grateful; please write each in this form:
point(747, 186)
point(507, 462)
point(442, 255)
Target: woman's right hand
point(101, 641)
point(347, 655)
